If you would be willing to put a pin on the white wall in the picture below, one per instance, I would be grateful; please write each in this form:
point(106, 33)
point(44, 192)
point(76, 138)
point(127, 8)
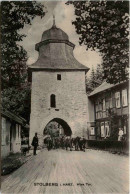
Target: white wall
point(90, 105)
point(16, 141)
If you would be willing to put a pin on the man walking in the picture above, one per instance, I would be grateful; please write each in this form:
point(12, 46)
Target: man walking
point(35, 143)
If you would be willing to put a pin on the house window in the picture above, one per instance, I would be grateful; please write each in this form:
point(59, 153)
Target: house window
point(92, 131)
point(99, 107)
point(58, 76)
point(53, 101)
point(107, 103)
point(124, 97)
point(117, 98)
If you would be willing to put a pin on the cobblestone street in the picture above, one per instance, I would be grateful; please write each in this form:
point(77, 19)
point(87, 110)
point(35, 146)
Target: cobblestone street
point(70, 172)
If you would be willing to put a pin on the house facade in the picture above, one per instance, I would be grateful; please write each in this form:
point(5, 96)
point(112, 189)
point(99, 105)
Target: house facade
point(12, 127)
point(109, 112)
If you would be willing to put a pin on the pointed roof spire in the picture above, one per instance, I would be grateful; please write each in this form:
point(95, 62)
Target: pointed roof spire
point(54, 25)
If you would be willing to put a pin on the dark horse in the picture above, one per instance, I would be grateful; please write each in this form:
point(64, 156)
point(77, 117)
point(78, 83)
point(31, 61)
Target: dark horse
point(82, 143)
point(68, 143)
point(79, 143)
point(49, 143)
point(76, 143)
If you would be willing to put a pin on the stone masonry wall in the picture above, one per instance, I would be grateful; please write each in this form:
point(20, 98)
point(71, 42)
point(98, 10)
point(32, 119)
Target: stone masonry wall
point(71, 100)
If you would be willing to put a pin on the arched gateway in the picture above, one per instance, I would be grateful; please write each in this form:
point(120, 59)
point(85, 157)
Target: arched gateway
point(58, 85)
point(64, 124)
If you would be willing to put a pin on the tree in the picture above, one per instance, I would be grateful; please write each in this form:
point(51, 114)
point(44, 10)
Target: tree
point(91, 82)
point(15, 87)
point(52, 129)
point(17, 100)
point(103, 26)
point(99, 74)
point(14, 15)
point(114, 128)
point(95, 79)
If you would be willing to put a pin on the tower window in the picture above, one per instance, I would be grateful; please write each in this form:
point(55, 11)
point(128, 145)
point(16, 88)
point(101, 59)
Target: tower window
point(58, 76)
point(53, 101)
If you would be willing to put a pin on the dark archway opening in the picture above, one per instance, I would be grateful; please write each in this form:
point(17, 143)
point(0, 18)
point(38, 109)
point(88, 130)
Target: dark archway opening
point(57, 127)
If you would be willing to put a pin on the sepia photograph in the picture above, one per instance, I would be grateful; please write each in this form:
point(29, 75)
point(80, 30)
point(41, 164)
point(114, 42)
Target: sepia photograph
point(65, 97)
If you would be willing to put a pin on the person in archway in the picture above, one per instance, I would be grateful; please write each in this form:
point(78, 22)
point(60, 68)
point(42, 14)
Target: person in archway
point(35, 144)
point(82, 142)
point(62, 142)
point(66, 143)
point(70, 143)
point(50, 144)
point(76, 143)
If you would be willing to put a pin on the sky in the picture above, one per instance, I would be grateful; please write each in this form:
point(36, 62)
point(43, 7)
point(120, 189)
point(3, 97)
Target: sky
point(64, 15)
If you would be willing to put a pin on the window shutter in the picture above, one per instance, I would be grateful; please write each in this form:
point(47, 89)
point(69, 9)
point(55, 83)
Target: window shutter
point(102, 130)
point(107, 129)
point(124, 98)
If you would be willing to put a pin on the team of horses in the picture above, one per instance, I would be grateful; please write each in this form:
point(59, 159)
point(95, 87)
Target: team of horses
point(78, 143)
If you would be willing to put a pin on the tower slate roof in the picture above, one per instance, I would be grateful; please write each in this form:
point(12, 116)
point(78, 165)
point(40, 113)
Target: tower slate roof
point(54, 33)
point(56, 52)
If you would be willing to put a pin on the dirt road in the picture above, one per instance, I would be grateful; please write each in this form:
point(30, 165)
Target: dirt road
point(61, 171)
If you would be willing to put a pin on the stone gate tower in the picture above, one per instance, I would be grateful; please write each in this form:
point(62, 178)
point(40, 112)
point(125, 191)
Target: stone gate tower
point(58, 85)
